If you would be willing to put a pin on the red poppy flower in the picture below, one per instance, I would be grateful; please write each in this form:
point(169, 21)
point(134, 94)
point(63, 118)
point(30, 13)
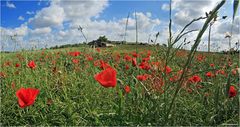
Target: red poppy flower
point(127, 89)
point(195, 79)
point(98, 49)
point(212, 65)
point(168, 70)
point(200, 58)
point(149, 53)
point(13, 85)
point(234, 71)
point(74, 53)
point(89, 58)
point(107, 78)
point(134, 62)
point(17, 65)
point(75, 61)
point(26, 97)
point(144, 66)
point(232, 91)
point(31, 64)
point(142, 77)
point(209, 74)
point(104, 65)
point(145, 59)
point(174, 78)
point(134, 54)
point(127, 58)
point(220, 72)
point(126, 67)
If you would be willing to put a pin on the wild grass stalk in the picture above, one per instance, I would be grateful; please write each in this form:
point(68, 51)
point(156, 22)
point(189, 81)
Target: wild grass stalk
point(191, 55)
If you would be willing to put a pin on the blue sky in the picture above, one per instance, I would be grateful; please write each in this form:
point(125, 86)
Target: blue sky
point(9, 16)
point(55, 22)
point(115, 10)
point(120, 9)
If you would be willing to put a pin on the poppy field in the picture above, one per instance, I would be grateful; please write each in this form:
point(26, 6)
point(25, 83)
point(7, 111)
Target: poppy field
point(123, 85)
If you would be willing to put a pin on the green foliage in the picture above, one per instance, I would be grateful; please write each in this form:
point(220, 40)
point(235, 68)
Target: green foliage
point(102, 39)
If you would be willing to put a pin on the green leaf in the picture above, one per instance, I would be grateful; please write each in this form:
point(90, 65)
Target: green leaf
point(228, 84)
point(235, 7)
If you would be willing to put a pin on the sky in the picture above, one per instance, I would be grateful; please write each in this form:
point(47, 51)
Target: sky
point(42, 23)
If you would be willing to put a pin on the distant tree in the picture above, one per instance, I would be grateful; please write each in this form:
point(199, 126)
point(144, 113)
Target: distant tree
point(102, 39)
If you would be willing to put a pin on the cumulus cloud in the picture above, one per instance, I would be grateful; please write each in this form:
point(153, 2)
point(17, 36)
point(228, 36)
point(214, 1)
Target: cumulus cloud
point(185, 11)
point(44, 30)
point(10, 5)
point(21, 18)
point(75, 10)
point(51, 16)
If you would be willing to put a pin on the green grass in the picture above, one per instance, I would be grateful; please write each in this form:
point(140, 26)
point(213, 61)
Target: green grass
point(69, 94)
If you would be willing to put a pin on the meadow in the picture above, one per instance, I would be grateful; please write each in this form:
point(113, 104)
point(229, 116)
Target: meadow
point(122, 85)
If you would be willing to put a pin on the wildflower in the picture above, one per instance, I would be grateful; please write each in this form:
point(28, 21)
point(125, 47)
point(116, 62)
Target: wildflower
point(98, 49)
point(168, 70)
point(142, 77)
point(127, 89)
point(195, 79)
point(26, 97)
point(149, 53)
point(145, 59)
point(134, 54)
point(89, 58)
point(75, 61)
point(126, 67)
point(220, 72)
point(144, 66)
point(107, 78)
point(209, 74)
point(134, 62)
point(174, 78)
point(17, 65)
point(234, 71)
point(212, 65)
point(127, 58)
point(104, 65)
point(200, 58)
point(31, 64)
point(13, 85)
point(74, 53)
point(232, 92)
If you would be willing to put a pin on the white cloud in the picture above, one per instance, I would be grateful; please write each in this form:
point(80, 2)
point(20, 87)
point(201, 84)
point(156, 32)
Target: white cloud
point(44, 30)
point(165, 7)
point(76, 10)
point(185, 11)
point(10, 5)
point(30, 12)
point(21, 18)
point(51, 16)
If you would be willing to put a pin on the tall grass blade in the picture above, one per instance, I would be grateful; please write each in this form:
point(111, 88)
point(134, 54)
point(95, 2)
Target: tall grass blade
point(235, 8)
